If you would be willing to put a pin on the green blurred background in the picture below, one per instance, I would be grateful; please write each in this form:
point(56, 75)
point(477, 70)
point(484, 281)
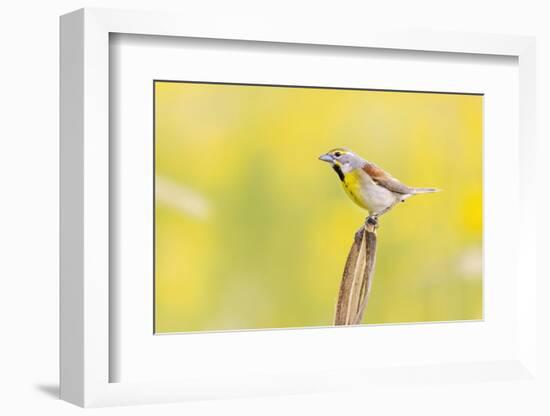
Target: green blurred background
point(252, 231)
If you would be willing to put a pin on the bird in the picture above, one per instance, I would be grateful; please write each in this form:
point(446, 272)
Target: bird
point(369, 186)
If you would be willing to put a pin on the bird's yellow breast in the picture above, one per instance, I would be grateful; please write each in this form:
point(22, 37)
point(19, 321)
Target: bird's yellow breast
point(353, 184)
point(364, 192)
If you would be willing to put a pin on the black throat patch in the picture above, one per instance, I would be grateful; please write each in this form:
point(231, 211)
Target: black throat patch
point(338, 170)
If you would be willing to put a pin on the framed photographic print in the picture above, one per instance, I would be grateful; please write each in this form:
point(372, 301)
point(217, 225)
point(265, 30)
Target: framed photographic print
point(265, 211)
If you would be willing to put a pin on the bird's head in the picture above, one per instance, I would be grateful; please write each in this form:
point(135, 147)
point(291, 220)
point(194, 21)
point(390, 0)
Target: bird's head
point(342, 160)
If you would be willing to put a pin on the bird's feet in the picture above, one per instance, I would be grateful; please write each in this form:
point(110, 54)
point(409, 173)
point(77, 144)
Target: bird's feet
point(372, 220)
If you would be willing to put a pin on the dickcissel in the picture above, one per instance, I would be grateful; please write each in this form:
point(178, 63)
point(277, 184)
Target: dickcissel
point(367, 185)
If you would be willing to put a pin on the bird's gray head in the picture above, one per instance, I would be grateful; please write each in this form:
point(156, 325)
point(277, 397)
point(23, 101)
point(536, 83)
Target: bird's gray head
point(342, 160)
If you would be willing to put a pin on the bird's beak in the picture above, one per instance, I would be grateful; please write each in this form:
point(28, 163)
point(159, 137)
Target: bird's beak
point(326, 158)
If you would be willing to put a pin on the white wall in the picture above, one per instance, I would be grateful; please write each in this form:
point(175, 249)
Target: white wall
point(29, 207)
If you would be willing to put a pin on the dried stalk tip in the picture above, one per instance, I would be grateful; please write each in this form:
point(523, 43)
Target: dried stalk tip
point(357, 277)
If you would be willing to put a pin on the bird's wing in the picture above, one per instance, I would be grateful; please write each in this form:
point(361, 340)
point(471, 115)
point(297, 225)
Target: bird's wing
point(384, 179)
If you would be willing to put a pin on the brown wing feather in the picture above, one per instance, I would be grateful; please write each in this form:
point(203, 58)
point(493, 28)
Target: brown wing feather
point(384, 179)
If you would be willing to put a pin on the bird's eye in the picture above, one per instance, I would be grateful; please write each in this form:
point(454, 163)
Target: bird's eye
point(337, 154)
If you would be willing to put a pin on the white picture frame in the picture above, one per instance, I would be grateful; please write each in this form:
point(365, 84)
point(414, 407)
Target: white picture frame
point(85, 221)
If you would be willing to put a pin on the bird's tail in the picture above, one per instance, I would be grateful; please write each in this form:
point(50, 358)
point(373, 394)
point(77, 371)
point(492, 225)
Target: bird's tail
point(425, 190)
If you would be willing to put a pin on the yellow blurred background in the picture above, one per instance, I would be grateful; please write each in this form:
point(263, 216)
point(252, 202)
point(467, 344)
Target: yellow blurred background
point(252, 231)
